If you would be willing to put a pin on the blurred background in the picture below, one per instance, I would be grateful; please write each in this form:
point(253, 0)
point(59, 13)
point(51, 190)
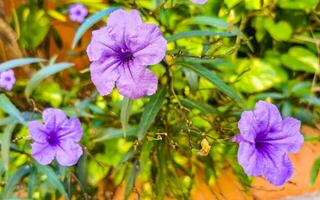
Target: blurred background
point(275, 58)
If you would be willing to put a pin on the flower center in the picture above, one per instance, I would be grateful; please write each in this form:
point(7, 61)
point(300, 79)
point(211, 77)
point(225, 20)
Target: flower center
point(125, 55)
point(52, 139)
point(259, 145)
point(7, 78)
point(78, 12)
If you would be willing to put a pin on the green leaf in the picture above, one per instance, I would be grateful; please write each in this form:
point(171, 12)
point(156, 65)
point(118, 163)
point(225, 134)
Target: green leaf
point(311, 138)
point(82, 172)
point(89, 22)
point(32, 183)
point(231, 3)
point(298, 4)
point(44, 73)
point(222, 86)
point(5, 144)
point(125, 114)
point(192, 79)
point(205, 108)
point(259, 75)
point(315, 171)
point(150, 112)
point(8, 107)
point(280, 31)
point(112, 133)
point(131, 178)
point(210, 21)
point(34, 26)
point(13, 181)
point(198, 33)
point(19, 62)
point(52, 178)
point(201, 60)
point(300, 59)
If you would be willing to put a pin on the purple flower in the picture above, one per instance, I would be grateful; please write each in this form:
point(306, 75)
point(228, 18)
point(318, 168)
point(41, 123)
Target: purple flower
point(265, 140)
point(77, 12)
point(120, 51)
point(199, 1)
point(7, 79)
point(57, 138)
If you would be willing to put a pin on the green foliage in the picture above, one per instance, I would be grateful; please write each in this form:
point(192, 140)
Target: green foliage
point(18, 62)
point(315, 171)
point(44, 73)
point(222, 57)
point(32, 34)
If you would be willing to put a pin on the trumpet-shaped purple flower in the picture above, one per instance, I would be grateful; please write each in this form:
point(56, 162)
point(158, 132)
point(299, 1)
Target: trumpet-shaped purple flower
point(7, 79)
point(120, 53)
point(265, 140)
point(57, 138)
point(199, 1)
point(77, 12)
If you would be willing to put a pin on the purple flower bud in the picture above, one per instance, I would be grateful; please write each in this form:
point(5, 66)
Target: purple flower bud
point(120, 53)
point(265, 140)
point(199, 1)
point(57, 138)
point(7, 79)
point(77, 12)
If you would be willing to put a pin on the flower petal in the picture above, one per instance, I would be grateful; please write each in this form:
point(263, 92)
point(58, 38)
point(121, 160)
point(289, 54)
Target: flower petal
point(43, 153)
point(199, 1)
point(136, 81)
point(289, 139)
point(68, 153)
point(121, 24)
point(245, 125)
point(278, 169)
point(7, 79)
point(250, 159)
point(149, 47)
point(71, 129)
point(267, 117)
point(104, 75)
point(101, 45)
point(37, 131)
point(53, 118)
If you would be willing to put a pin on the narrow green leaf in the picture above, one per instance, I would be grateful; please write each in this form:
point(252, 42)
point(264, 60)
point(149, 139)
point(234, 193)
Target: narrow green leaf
point(222, 86)
point(201, 60)
point(19, 62)
point(315, 171)
point(5, 144)
point(89, 22)
point(210, 21)
point(131, 178)
point(192, 78)
point(150, 112)
point(113, 133)
point(198, 33)
point(311, 138)
point(197, 105)
point(14, 180)
point(125, 114)
point(32, 183)
point(7, 106)
point(53, 179)
point(82, 172)
point(44, 73)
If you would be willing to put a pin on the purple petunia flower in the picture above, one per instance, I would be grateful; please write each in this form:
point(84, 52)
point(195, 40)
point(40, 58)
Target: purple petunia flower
point(199, 1)
point(120, 51)
point(7, 79)
point(77, 12)
point(57, 138)
point(265, 140)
